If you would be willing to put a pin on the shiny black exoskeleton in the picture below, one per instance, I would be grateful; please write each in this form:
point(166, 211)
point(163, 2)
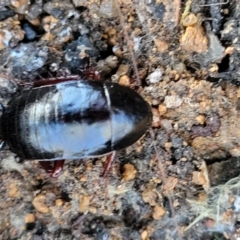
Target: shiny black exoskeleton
point(74, 120)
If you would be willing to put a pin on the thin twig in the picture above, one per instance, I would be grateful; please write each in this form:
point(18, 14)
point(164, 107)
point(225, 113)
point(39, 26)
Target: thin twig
point(122, 22)
point(161, 168)
point(213, 4)
point(178, 12)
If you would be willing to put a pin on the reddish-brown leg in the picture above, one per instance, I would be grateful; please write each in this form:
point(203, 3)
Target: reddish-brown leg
point(47, 166)
point(53, 167)
point(57, 168)
point(52, 81)
point(89, 74)
point(110, 159)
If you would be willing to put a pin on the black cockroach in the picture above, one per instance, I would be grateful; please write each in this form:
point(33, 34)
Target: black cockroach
point(73, 119)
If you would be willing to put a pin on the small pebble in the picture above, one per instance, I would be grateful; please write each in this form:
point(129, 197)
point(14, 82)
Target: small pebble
point(150, 196)
point(29, 218)
point(108, 9)
point(84, 202)
point(111, 61)
point(158, 212)
point(111, 32)
point(194, 38)
point(129, 172)
point(180, 67)
point(117, 51)
point(162, 109)
point(30, 34)
point(39, 203)
point(200, 119)
point(156, 76)
point(162, 46)
point(122, 70)
point(144, 235)
point(155, 118)
point(229, 50)
point(235, 152)
point(198, 178)
point(20, 6)
point(167, 125)
point(189, 20)
point(124, 80)
point(59, 202)
point(13, 191)
point(173, 101)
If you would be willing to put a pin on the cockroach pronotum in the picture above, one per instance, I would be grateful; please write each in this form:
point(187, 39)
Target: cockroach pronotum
point(73, 119)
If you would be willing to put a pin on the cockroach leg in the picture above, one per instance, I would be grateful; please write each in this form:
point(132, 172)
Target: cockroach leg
point(57, 168)
point(91, 74)
point(47, 166)
point(110, 159)
point(52, 81)
point(54, 168)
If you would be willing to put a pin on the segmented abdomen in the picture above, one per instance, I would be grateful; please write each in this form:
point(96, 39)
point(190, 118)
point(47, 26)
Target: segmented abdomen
point(69, 120)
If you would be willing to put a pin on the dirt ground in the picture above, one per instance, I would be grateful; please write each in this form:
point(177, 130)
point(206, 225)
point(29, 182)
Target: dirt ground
point(181, 179)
